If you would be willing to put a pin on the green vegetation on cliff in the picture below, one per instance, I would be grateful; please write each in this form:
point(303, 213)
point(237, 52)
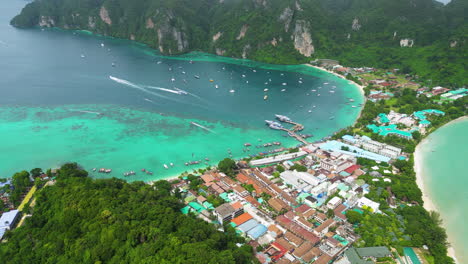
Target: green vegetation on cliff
point(418, 36)
point(81, 220)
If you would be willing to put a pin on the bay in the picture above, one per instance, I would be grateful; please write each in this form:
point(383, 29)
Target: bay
point(111, 103)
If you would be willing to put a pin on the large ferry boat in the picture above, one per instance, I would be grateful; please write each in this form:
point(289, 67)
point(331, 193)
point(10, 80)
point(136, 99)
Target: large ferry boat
point(273, 124)
point(283, 118)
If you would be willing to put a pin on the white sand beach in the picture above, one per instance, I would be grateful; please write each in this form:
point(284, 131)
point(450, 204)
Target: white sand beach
point(429, 205)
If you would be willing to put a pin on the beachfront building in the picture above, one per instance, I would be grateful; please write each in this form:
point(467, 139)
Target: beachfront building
point(397, 118)
point(422, 116)
point(350, 150)
point(390, 130)
point(373, 146)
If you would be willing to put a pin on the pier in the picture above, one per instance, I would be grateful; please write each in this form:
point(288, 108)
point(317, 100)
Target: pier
point(292, 132)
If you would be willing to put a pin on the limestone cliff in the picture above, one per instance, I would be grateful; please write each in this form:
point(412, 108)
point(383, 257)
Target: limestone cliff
point(302, 38)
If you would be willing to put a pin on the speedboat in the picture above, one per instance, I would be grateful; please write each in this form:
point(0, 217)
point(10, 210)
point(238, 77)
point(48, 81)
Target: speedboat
point(102, 44)
point(265, 90)
point(283, 90)
point(216, 86)
point(165, 166)
point(83, 56)
point(284, 84)
point(196, 77)
point(172, 79)
point(265, 97)
point(172, 164)
point(232, 91)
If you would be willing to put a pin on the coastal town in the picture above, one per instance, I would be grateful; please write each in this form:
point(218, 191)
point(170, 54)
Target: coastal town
point(314, 203)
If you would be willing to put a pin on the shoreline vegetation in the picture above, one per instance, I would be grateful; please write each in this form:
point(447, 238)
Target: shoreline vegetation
point(429, 205)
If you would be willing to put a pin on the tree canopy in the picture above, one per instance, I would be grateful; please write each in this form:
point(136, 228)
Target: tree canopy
point(81, 220)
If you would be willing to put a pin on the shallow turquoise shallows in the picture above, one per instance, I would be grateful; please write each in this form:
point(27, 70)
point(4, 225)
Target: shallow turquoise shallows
point(444, 157)
point(116, 104)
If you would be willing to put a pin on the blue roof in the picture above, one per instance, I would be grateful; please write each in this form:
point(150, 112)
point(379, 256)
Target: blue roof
point(383, 118)
point(257, 231)
point(349, 138)
point(387, 130)
point(8, 218)
point(353, 151)
point(245, 227)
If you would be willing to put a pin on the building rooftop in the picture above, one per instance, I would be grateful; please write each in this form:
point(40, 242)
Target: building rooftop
point(376, 252)
point(242, 219)
point(224, 210)
point(7, 219)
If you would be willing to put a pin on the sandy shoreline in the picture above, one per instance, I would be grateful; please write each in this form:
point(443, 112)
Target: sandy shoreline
point(418, 168)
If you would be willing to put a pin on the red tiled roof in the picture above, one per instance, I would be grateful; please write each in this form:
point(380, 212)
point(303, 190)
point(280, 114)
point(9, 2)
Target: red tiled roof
point(352, 168)
point(242, 178)
point(237, 205)
point(242, 219)
point(303, 208)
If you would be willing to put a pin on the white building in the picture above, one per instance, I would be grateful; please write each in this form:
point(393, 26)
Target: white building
point(377, 147)
point(319, 189)
point(337, 165)
point(299, 180)
point(363, 201)
point(334, 202)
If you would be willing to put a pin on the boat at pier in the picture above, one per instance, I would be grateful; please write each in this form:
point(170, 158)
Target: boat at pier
point(273, 124)
point(283, 118)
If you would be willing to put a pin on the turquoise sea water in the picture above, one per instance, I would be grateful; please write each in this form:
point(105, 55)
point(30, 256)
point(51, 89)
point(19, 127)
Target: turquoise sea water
point(444, 156)
point(109, 103)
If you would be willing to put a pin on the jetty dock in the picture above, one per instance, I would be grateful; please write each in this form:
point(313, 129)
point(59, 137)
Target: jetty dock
point(292, 131)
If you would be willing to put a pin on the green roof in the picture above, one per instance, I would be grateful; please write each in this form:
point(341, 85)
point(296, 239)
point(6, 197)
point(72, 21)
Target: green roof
point(376, 252)
point(387, 130)
point(224, 196)
point(185, 210)
point(208, 205)
point(198, 207)
point(189, 198)
point(354, 258)
point(383, 118)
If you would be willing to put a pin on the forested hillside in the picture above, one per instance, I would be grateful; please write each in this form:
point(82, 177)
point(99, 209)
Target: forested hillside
point(417, 36)
point(81, 220)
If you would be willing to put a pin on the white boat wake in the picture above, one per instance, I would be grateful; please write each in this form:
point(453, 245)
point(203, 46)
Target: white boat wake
point(149, 100)
point(135, 86)
point(145, 90)
point(85, 111)
point(202, 127)
point(167, 90)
